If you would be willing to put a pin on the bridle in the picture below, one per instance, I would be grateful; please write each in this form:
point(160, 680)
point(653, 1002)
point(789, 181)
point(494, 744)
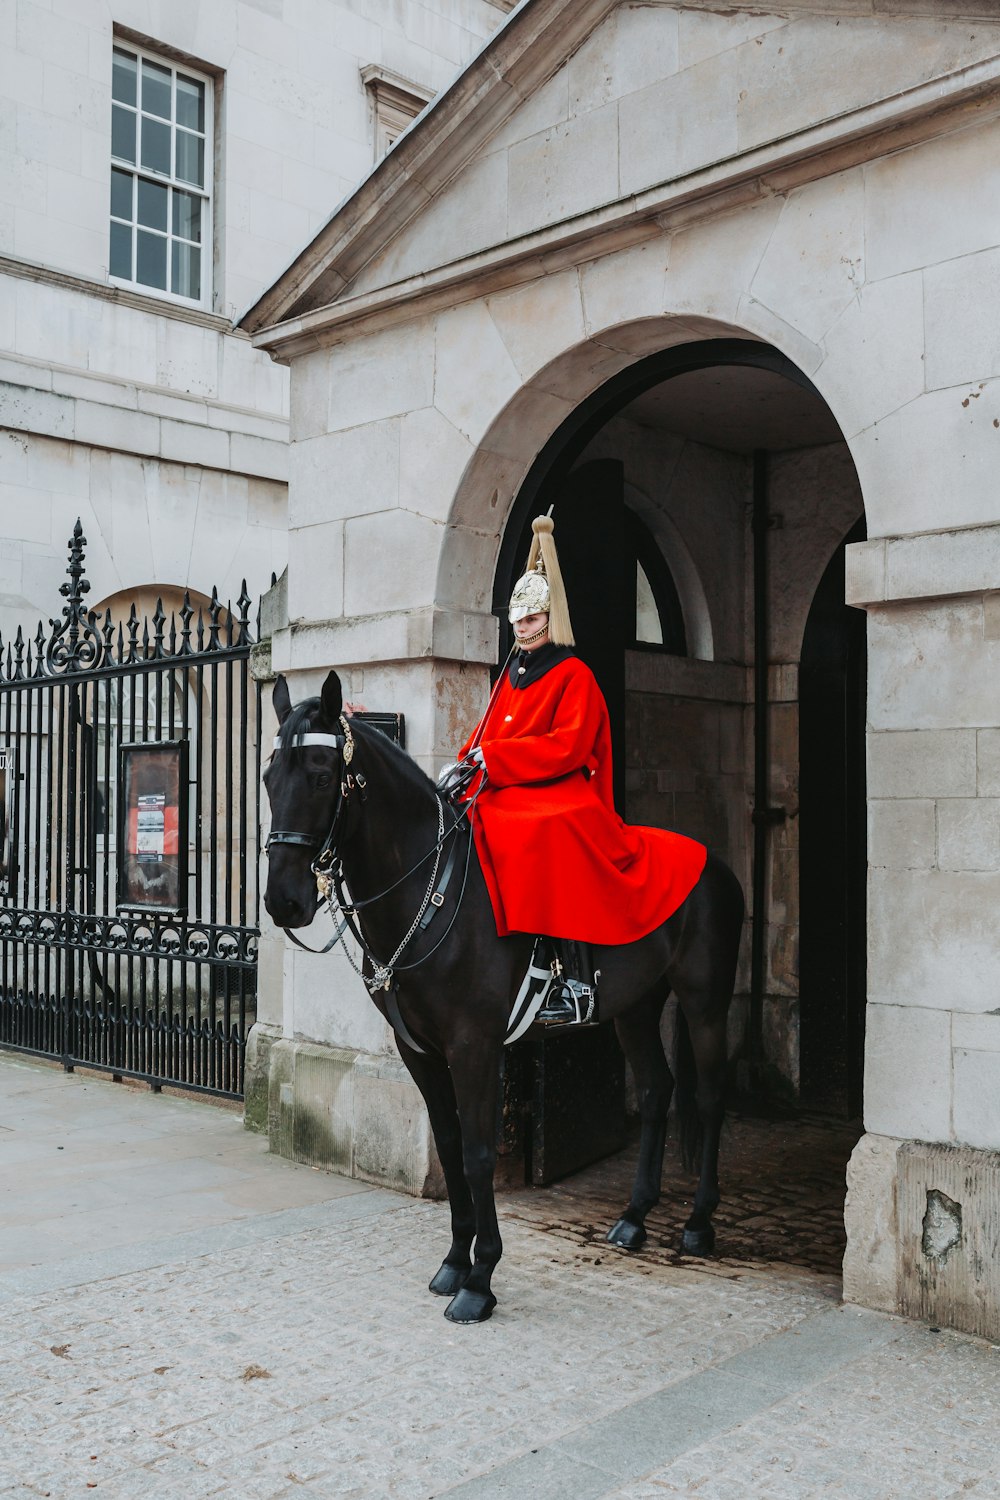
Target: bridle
point(328, 870)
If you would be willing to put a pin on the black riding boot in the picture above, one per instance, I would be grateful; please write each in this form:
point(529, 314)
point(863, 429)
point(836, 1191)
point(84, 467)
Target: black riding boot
point(572, 1000)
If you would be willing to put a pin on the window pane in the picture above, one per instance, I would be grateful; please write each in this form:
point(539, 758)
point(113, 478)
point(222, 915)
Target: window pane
point(155, 146)
point(121, 251)
point(152, 204)
point(190, 158)
point(190, 102)
point(123, 77)
point(121, 193)
point(186, 270)
point(123, 133)
point(156, 90)
point(187, 215)
point(151, 260)
point(647, 616)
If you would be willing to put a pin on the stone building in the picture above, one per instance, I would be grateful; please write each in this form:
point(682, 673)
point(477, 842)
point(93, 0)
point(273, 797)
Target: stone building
point(724, 284)
point(159, 165)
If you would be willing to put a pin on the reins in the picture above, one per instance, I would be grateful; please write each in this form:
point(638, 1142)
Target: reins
point(327, 867)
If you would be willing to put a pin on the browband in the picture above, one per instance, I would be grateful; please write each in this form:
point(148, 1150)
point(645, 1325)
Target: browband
point(335, 741)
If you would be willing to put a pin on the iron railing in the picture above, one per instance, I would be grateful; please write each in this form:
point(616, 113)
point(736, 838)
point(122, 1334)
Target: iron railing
point(133, 952)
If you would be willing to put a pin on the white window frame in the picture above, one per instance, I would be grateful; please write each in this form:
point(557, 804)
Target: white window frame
point(171, 180)
point(396, 102)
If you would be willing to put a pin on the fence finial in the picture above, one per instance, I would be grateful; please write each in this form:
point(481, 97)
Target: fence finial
point(76, 642)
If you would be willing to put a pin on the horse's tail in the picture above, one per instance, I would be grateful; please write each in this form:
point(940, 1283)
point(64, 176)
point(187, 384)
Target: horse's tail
point(686, 1075)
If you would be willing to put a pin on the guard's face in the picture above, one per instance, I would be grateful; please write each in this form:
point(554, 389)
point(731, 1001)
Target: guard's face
point(532, 631)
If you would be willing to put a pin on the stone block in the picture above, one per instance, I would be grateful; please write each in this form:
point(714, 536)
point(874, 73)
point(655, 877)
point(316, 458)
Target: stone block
point(433, 456)
point(628, 284)
point(962, 344)
point(309, 395)
point(976, 1115)
point(814, 261)
point(392, 1137)
point(564, 171)
point(30, 410)
point(969, 833)
point(702, 35)
point(922, 763)
point(931, 939)
point(874, 353)
point(871, 1220)
point(112, 427)
point(256, 1077)
point(902, 834)
point(380, 376)
point(390, 562)
point(467, 216)
point(908, 1070)
point(679, 124)
point(988, 763)
point(195, 443)
point(912, 676)
point(264, 457)
point(537, 322)
point(316, 571)
point(900, 235)
point(471, 405)
point(945, 562)
point(947, 1265)
point(635, 47)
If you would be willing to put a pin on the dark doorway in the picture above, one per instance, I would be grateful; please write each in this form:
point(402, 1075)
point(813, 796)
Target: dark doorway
point(833, 858)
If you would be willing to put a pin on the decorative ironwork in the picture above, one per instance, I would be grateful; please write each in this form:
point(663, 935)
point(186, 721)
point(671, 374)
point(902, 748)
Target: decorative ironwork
point(163, 995)
point(76, 642)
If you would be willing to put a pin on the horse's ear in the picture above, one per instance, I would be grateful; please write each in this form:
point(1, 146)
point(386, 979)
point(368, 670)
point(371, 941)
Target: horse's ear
point(281, 700)
point(332, 698)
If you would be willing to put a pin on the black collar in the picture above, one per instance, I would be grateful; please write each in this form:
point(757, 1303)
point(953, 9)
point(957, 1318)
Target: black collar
point(528, 666)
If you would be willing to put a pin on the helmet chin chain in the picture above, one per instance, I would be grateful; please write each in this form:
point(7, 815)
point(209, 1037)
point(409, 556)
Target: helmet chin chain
point(532, 640)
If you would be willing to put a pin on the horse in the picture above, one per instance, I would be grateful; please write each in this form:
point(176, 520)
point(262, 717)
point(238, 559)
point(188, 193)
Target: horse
point(348, 804)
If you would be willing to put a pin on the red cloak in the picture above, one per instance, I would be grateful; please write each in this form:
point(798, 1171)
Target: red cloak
point(557, 857)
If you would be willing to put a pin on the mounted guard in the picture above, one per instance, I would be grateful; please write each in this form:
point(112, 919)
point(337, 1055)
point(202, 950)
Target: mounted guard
point(557, 858)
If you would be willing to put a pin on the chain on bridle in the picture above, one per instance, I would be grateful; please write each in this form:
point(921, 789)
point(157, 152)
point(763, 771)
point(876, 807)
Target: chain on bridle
point(328, 870)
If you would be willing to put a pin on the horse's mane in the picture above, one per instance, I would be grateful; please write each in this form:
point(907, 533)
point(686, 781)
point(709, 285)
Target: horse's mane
point(308, 715)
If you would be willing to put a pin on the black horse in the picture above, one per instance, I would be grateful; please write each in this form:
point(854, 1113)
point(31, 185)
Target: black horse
point(378, 819)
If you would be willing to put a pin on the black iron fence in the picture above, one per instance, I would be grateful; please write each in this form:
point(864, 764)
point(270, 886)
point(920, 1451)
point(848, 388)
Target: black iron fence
point(129, 810)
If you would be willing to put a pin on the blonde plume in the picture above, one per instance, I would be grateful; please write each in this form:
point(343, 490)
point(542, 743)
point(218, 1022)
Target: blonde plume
point(543, 558)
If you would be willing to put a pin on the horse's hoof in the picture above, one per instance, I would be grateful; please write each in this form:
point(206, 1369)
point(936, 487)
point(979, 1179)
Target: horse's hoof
point(626, 1235)
point(470, 1307)
point(698, 1241)
point(449, 1280)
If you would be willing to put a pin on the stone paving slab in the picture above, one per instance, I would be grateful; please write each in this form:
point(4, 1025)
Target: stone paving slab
point(295, 1352)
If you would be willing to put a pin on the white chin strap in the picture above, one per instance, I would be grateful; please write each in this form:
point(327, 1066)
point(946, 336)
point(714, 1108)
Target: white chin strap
point(334, 741)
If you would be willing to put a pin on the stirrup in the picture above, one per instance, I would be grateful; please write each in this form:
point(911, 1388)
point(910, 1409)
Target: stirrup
point(570, 1003)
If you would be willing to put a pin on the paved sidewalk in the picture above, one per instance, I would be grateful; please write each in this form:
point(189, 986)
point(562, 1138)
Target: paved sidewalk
point(186, 1316)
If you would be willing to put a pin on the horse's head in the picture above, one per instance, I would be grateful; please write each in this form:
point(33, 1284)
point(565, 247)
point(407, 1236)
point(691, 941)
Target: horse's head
point(303, 788)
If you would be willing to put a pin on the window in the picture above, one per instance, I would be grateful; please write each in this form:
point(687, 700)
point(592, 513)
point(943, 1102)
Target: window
point(161, 153)
point(659, 619)
point(396, 100)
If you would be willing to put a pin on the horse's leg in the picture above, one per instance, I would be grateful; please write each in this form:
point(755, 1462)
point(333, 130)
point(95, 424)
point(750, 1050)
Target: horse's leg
point(708, 1046)
point(430, 1074)
point(477, 1088)
point(639, 1033)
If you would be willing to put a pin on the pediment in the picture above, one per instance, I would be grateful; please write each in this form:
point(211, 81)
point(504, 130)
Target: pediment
point(579, 114)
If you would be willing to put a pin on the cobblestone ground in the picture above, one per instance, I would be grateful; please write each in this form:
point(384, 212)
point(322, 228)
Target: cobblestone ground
point(297, 1353)
point(783, 1184)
